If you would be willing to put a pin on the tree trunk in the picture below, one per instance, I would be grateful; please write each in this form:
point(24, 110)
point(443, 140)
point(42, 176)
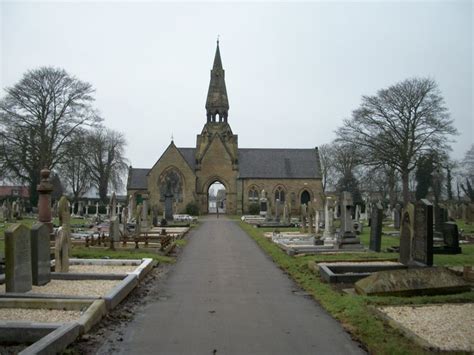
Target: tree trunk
point(406, 189)
point(34, 181)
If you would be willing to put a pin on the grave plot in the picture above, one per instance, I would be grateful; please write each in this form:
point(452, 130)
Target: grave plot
point(440, 327)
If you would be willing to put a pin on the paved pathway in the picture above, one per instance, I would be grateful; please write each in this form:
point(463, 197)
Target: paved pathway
point(225, 296)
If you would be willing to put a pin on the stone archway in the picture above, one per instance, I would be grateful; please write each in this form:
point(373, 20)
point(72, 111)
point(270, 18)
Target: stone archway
point(216, 197)
point(305, 197)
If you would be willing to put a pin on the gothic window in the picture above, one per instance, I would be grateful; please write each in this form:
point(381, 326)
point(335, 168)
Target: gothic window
point(280, 194)
point(253, 194)
point(171, 185)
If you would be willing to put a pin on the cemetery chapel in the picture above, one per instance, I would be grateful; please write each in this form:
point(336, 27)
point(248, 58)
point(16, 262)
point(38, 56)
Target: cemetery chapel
point(184, 175)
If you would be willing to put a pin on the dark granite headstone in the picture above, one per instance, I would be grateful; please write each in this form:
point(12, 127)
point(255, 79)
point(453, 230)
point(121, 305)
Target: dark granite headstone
point(451, 237)
point(376, 228)
point(18, 259)
point(40, 254)
point(407, 233)
point(422, 248)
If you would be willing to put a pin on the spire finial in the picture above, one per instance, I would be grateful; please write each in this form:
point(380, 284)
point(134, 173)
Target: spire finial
point(172, 138)
point(218, 36)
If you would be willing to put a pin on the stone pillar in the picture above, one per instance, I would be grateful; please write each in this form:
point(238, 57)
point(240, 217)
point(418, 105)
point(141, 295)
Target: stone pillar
point(316, 222)
point(145, 212)
point(130, 209)
point(328, 219)
point(44, 200)
point(97, 209)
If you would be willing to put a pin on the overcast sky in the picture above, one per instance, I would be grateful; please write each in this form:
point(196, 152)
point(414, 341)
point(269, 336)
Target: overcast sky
point(293, 71)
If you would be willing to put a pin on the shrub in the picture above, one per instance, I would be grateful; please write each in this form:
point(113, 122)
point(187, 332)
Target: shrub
point(254, 209)
point(192, 209)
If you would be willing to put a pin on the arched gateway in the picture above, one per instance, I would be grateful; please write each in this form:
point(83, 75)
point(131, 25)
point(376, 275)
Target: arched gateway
point(187, 173)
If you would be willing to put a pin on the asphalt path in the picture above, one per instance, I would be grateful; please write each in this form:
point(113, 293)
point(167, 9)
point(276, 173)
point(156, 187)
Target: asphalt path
point(225, 296)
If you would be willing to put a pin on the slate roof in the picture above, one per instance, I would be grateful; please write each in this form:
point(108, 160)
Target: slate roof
point(279, 163)
point(255, 163)
point(137, 179)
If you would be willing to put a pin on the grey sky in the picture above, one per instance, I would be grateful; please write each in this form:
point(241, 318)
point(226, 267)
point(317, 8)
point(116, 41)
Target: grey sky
point(293, 71)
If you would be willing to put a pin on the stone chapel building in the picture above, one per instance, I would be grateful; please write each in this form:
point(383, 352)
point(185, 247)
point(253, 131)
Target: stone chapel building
point(185, 174)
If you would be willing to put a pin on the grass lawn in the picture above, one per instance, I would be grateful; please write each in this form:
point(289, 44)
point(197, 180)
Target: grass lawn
point(354, 311)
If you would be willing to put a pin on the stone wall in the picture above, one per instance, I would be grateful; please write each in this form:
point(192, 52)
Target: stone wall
point(171, 159)
point(293, 189)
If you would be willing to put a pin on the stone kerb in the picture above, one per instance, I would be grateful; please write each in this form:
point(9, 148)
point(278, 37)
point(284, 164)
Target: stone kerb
point(18, 277)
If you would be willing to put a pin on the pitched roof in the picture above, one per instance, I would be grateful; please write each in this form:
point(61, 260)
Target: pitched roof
point(279, 163)
point(255, 163)
point(189, 154)
point(137, 179)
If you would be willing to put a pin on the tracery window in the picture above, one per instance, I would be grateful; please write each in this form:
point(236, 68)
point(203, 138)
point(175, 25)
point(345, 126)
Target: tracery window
point(280, 194)
point(253, 194)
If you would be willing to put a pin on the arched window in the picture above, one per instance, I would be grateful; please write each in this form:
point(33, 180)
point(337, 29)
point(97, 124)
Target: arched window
point(253, 194)
point(280, 194)
point(305, 197)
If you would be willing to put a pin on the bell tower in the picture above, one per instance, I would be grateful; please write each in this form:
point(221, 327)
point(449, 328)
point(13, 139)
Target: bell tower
point(217, 104)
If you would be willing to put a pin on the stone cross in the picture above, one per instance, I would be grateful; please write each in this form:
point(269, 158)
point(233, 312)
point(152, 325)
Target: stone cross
point(18, 276)
point(328, 219)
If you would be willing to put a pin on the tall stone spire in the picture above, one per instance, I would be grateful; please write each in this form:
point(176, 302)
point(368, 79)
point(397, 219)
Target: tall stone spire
point(217, 104)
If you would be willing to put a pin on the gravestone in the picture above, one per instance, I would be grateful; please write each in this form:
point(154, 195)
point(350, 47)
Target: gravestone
point(114, 231)
point(328, 219)
point(113, 205)
point(97, 209)
point(18, 276)
point(347, 237)
point(304, 214)
point(450, 239)
point(40, 254)
point(285, 213)
point(277, 210)
point(407, 233)
point(63, 236)
point(376, 228)
point(397, 216)
point(263, 204)
point(423, 233)
point(168, 207)
point(310, 217)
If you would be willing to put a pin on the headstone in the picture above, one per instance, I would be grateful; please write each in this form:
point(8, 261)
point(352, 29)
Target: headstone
point(44, 189)
point(277, 210)
point(304, 215)
point(423, 242)
point(376, 228)
point(310, 217)
point(97, 209)
point(145, 213)
point(285, 213)
point(269, 216)
point(18, 276)
point(107, 210)
point(397, 216)
point(40, 254)
point(168, 207)
point(113, 205)
point(63, 236)
point(316, 222)
point(328, 219)
point(263, 204)
point(346, 214)
point(451, 237)
point(114, 231)
point(407, 233)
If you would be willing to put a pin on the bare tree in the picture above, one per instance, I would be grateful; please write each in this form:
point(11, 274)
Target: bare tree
point(76, 170)
point(327, 168)
point(398, 125)
point(38, 115)
point(107, 162)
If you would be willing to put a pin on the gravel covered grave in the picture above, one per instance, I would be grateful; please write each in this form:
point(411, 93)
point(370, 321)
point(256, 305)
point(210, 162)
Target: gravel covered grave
point(449, 327)
point(102, 269)
point(91, 288)
point(38, 315)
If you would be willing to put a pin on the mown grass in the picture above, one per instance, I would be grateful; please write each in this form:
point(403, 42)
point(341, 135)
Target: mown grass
point(91, 253)
point(353, 312)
